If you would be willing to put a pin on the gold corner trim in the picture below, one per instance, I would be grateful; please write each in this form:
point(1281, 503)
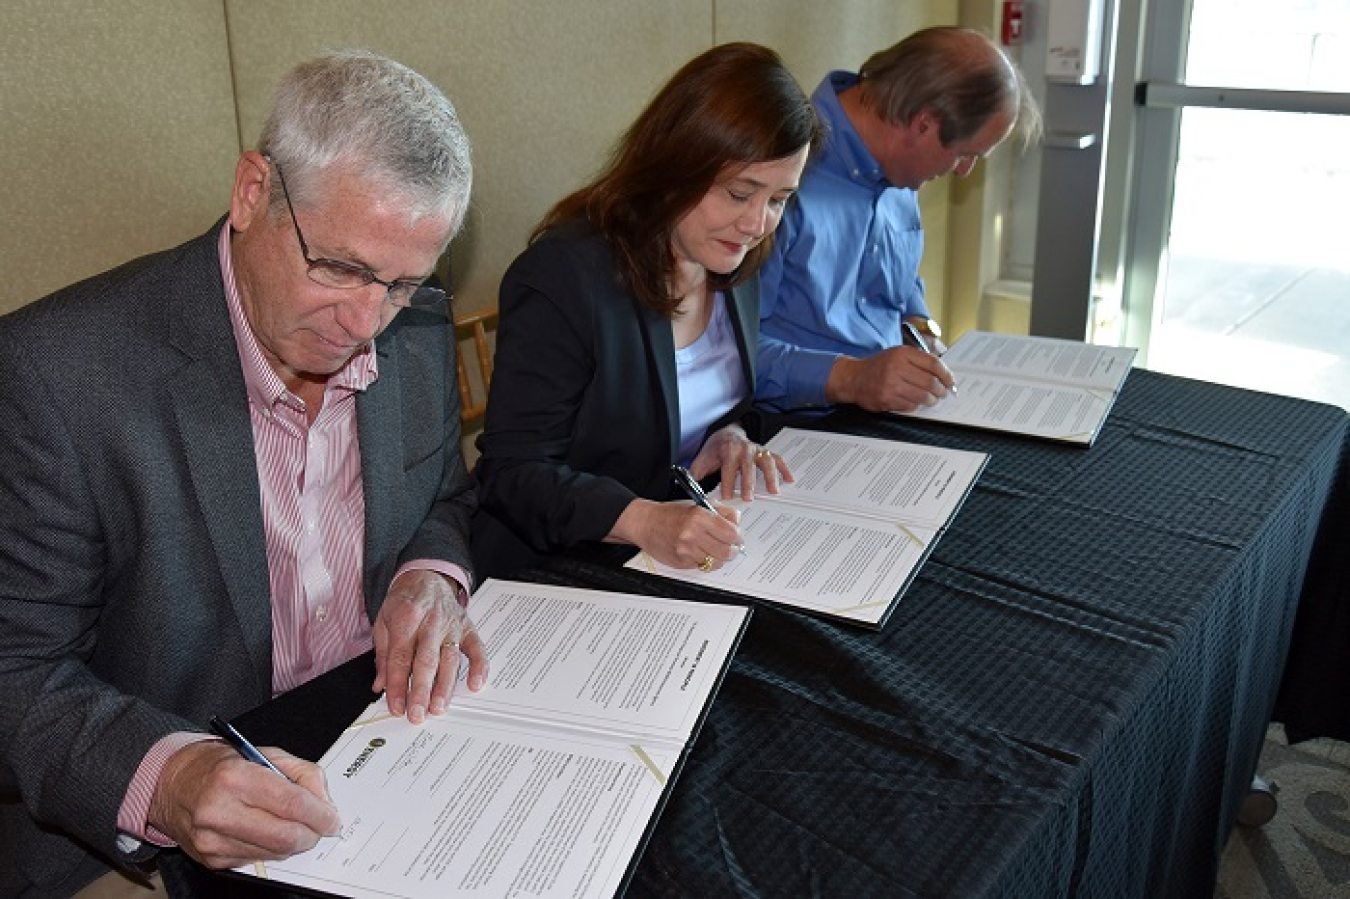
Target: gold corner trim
point(651, 765)
point(910, 534)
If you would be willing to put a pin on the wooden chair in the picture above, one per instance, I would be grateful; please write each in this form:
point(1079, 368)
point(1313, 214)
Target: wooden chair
point(475, 326)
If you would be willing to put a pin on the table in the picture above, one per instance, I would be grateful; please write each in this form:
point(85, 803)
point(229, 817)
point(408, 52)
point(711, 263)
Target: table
point(1069, 701)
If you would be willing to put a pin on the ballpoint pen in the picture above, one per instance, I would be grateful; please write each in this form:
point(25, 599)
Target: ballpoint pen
point(915, 336)
point(227, 732)
point(692, 489)
point(922, 344)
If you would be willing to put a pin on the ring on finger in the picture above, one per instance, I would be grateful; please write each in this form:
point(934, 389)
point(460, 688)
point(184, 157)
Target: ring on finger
point(763, 453)
point(450, 644)
point(706, 565)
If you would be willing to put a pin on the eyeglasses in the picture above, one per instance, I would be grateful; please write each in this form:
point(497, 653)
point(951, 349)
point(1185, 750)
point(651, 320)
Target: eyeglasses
point(346, 276)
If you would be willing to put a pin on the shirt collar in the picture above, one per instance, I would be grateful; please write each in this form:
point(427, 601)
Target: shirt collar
point(858, 163)
point(265, 387)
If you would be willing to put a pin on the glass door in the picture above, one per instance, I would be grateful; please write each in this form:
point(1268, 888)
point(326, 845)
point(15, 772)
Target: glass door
point(1242, 197)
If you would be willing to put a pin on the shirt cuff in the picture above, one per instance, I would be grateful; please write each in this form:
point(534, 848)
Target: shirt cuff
point(449, 569)
point(132, 816)
point(807, 376)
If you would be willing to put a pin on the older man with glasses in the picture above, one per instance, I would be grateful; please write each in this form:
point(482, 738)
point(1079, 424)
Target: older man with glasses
point(230, 467)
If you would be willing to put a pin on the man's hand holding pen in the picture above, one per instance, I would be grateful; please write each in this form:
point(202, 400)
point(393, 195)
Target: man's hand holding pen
point(224, 810)
point(900, 379)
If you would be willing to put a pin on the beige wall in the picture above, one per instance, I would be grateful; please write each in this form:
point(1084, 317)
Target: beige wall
point(117, 134)
point(121, 121)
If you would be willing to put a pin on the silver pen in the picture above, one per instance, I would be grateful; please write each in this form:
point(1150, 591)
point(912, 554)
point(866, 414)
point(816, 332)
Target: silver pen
point(922, 344)
point(692, 489)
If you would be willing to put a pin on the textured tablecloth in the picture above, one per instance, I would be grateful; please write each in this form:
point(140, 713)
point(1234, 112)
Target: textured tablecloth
point(1070, 699)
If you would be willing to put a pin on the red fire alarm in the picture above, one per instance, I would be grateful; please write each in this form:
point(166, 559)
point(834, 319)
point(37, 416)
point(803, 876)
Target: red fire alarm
point(1012, 22)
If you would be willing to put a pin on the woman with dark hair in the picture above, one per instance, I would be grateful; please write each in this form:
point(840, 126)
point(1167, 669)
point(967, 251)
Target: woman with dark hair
point(629, 327)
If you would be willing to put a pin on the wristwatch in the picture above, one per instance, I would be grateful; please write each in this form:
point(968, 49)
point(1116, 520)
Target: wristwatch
point(925, 325)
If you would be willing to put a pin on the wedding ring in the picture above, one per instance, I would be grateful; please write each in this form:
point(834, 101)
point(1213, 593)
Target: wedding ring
point(762, 452)
point(453, 644)
point(706, 565)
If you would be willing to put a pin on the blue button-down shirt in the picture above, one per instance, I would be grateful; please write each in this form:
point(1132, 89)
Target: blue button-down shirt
point(845, 265)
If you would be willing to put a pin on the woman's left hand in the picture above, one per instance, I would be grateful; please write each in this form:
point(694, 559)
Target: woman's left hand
point(738, 458)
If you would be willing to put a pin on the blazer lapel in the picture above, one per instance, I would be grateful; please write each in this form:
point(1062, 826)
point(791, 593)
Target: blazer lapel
point(378, 413)
point(661, 351)
point(210, 404)
point(744, 309)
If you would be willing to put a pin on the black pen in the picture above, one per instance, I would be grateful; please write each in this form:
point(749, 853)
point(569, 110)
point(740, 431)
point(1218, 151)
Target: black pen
point(922, 344)
point(226, 731)
point(692, 489)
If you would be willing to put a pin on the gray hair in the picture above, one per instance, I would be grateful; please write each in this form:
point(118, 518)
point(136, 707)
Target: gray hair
point(356, 109)
point(958, 76)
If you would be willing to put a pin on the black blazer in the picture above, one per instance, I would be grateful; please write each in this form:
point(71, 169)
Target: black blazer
point(583, 414)
point(134, 591)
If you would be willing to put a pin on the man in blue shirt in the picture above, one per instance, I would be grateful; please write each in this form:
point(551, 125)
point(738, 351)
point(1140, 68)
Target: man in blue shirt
point(844, 271)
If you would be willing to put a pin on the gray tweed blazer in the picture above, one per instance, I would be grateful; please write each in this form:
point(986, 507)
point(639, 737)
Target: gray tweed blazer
point(134, 593)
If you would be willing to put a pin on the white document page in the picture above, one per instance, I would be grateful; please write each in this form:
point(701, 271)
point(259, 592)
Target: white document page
point(886, 479)
point(1025, 407)
point(1038, 386)
point(1069, 362)
point(541, 784)
point(485, 810)
point(848, 534)
point(831, 562)
point(603, 662)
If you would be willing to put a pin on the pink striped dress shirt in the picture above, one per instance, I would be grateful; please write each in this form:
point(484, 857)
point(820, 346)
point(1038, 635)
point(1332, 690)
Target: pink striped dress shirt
point(313, 510)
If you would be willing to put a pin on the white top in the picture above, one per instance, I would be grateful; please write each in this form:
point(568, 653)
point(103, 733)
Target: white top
point(710, 377)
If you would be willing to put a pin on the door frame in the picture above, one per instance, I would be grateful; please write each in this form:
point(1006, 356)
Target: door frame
point(1160, 96)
